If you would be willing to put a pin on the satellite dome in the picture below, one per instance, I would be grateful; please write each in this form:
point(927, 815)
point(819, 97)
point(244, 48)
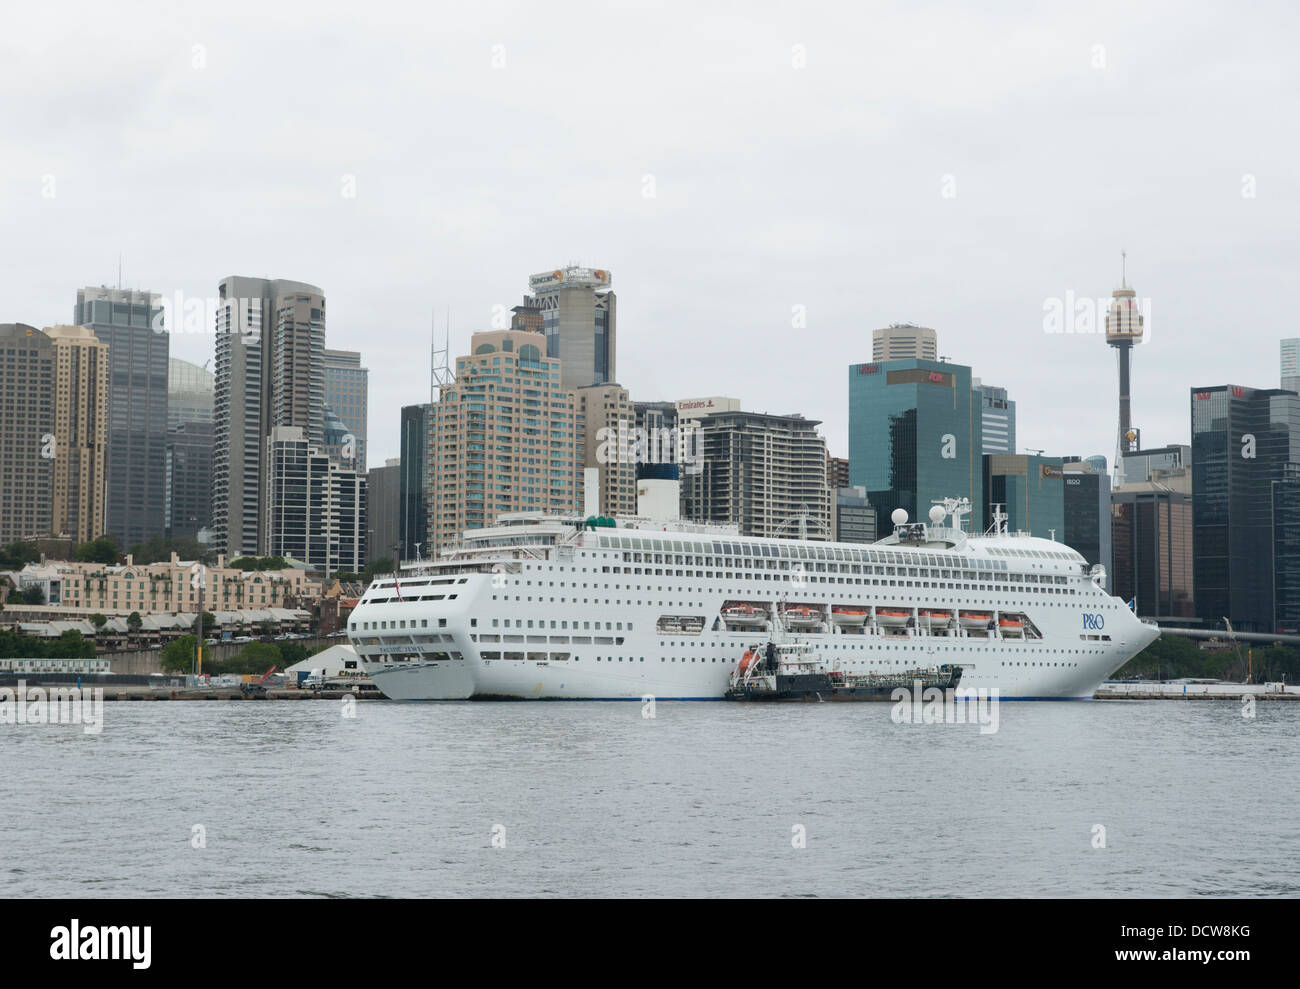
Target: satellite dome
point(937, 514)
point(899, 517)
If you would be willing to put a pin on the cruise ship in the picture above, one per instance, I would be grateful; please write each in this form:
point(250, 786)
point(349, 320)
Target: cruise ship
point(553, 607)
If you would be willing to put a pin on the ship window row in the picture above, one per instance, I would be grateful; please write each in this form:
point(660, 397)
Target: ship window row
point(541, 623)
point(797, 569)
point(396, 624)
point(790, 550)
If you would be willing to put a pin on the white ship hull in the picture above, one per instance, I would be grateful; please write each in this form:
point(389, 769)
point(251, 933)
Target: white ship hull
point(578, 621)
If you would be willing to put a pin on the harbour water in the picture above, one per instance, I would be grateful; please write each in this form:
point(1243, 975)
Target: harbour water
point(703, 799)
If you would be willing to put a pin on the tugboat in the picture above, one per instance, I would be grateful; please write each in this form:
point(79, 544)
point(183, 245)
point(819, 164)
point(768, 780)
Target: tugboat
point(790, 671)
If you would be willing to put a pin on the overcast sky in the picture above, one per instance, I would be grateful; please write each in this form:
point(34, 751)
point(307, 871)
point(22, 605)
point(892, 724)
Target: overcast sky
point(924, 162)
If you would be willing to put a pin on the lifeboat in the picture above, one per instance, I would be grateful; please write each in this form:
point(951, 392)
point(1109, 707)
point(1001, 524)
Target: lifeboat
point(844, 615)
point(892, 616)
point(1011, 627)
point(975, 619)
point(745, 614)
point(802, 614)
point(745, 660)
point(932, 616)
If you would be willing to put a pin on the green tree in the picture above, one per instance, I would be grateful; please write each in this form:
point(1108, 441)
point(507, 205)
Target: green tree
point(101, 550)
point(256, 657)
point(33, 595)
point(206, 624)
point(71, 645)
point(178, 655)
point(17, 554)
point(292, 652)
point(134, 621)
point(260, 563)
point(98, 620)
point(159, 550)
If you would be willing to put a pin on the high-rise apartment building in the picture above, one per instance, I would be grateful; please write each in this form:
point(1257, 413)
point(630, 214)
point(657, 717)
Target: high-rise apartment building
point(81, 374)
point(131, 322)
point(507, 436)
point(609, 445)
point(1245, 452)
point(316, 509)
point(837, 472)
point(383, 490)
point(997, 419)
point(347, 392)
point(27, 440)
point(412, 499)
point(915, 436)
point(578, 321)
point(763, 473)
point(270, 348)
point(903, 341)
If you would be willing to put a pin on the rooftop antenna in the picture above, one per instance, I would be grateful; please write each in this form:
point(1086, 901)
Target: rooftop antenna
point(440, 374)
point(119, 271)
point(1123, 269)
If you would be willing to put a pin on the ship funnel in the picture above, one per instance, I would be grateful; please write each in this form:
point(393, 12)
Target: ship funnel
point(658, 492)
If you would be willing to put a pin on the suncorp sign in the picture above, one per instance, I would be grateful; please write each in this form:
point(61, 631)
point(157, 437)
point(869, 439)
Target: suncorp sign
point(590, 277)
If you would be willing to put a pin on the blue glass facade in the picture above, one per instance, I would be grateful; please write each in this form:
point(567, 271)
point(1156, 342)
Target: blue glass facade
point(1031, 488)
point(915, 436)
point(1243, 441)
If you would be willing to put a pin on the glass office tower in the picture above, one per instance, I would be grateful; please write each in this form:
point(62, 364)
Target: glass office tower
point(1243, 441)
point(915, 436)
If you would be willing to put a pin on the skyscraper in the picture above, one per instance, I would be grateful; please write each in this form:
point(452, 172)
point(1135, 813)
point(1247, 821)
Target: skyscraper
point(915, 436)
point(1291, 364)
point(903, 341)
point(1030, 489)
point(507, 436)
point(347, 392)
point(131, 323)
point(1151, 537)
point(997, 419)
point(270, 349)
point(383, 499)
point(27, 441)
point(189, 449)
point(80, 431)
point(1087, 512)
point(189, 393)
point(413, 503)
point(578, 320)
point(1245, 451)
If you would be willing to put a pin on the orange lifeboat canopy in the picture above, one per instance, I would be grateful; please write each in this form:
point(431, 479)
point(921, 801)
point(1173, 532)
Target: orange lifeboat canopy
point(746, 660)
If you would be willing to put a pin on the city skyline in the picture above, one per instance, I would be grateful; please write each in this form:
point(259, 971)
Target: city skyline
point(728, 263)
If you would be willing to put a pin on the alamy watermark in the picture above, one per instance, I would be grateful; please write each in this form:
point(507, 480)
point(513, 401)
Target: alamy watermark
point(25, 705)
point(630, 444)
point(1079, 314)
point(951, 706)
